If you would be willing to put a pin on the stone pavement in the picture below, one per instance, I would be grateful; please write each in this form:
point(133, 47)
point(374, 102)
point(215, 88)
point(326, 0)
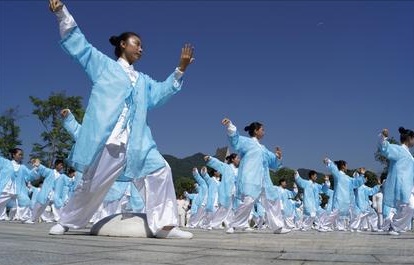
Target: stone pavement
point(22, 244)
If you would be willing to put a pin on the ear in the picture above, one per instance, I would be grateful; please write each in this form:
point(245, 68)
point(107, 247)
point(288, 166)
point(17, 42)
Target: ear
point(123, 44)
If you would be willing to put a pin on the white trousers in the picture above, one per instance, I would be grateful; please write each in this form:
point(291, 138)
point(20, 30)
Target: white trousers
point(197, 218)
point(273, 216)
point(157, 188)
point(4, 199)
point(402, 218)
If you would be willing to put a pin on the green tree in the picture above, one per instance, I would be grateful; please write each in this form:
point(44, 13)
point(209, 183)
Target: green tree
point(182, 184)
point(9, 131)
point(56, 142)
point(285, 173)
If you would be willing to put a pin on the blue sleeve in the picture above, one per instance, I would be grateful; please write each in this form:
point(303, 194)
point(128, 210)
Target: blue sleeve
point(390, 151)
point(333, 169)
point(301, 182)
point(72, 126)
point(374, 190)
point(217, 165)
point(358, 181)
point(274, 162)
point(199, 179)
point(160, 92)
point(237, 142)
point(92, 60)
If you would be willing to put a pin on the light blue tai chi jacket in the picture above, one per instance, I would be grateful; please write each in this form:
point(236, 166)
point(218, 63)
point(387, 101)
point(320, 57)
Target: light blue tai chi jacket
point(311, 195)
point(362, 196)
point(111, 90)
point(227, 181)
point(19, 177)
point(212, 191)
point(344, 185)
point(201, 199)
point(256, 161)
point(400, 178)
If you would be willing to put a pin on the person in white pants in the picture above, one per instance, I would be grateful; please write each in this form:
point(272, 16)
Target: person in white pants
point(114, 138)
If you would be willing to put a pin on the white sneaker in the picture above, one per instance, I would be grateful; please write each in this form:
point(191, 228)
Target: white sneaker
point(174, 233)
point(248, 229)
point(282, 230)
point(230, 230)
point(58, 229)
point(28, 222)
point(393, 233)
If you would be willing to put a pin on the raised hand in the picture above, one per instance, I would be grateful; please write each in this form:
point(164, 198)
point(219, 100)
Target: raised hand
point(385, 133)
point(64, 113)
point(362, 170)
point(55, 5)
point(35, 162)
point(326, 178)
point(226, 122)
point(326, 161)
point(186, 57)
point(206, 158)
point(278, 152)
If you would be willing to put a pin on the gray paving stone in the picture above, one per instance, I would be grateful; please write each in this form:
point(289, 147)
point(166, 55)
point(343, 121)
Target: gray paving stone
point(30, 244)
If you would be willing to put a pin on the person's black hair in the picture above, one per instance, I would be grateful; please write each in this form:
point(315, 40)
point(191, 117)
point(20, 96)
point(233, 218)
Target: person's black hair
point(230, 158)
point(116, 41)
point(281, 180)
point(311, 173)
point(71, 170)
point(340, 164)
point(14, 151)
point(59, 161)
point(405, 134)
point(212, 171)
point(252, 128)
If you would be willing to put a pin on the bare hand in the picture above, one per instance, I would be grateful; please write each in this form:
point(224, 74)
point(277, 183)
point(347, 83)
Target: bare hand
point(326, 178)
point(385, 133)
point(35, 162)
point(226, 122)
point(203, 170)
point(55, 5)
point(206, 158)
point(362, 170)
point(278, 152)
point(326, 161)
point(186, 57)
point(64, 113)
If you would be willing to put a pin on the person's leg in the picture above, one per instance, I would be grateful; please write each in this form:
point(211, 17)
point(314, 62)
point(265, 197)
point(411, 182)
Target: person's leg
point(241, 215)
point(161, 204)
point(97, 180)
point(4, 199)
point(403, 216)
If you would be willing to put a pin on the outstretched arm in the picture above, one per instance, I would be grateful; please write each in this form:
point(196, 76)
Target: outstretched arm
point(65, 19)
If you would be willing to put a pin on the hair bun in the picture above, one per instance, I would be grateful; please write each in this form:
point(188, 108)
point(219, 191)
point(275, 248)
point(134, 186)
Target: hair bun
point(402, 130)
point(247, 128)
point(114, 40)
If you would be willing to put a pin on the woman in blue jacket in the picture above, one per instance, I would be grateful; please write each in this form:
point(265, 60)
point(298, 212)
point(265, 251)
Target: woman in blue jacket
point(253, 181)
point(114, 138)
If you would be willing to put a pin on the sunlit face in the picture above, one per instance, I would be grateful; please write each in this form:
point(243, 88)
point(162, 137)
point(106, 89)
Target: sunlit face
point(314, 177)
point(132, 49)
point(18, 156)
point(259, 133)
point(236, 161)
point(59, 167)
point(410, 142)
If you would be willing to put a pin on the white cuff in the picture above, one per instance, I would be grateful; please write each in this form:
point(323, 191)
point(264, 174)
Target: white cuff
point(66, 21)
point(231, 129)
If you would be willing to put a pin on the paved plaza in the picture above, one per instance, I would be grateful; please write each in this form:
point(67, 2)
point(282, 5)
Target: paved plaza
point(23, 244)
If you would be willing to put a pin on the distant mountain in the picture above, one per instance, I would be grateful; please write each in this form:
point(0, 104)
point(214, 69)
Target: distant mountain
point(303, 172)
point(183, 167)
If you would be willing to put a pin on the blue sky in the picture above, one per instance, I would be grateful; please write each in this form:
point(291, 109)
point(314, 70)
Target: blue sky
point(323, 76)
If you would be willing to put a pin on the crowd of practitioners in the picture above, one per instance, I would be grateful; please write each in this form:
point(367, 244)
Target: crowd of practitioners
point(237, 194)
